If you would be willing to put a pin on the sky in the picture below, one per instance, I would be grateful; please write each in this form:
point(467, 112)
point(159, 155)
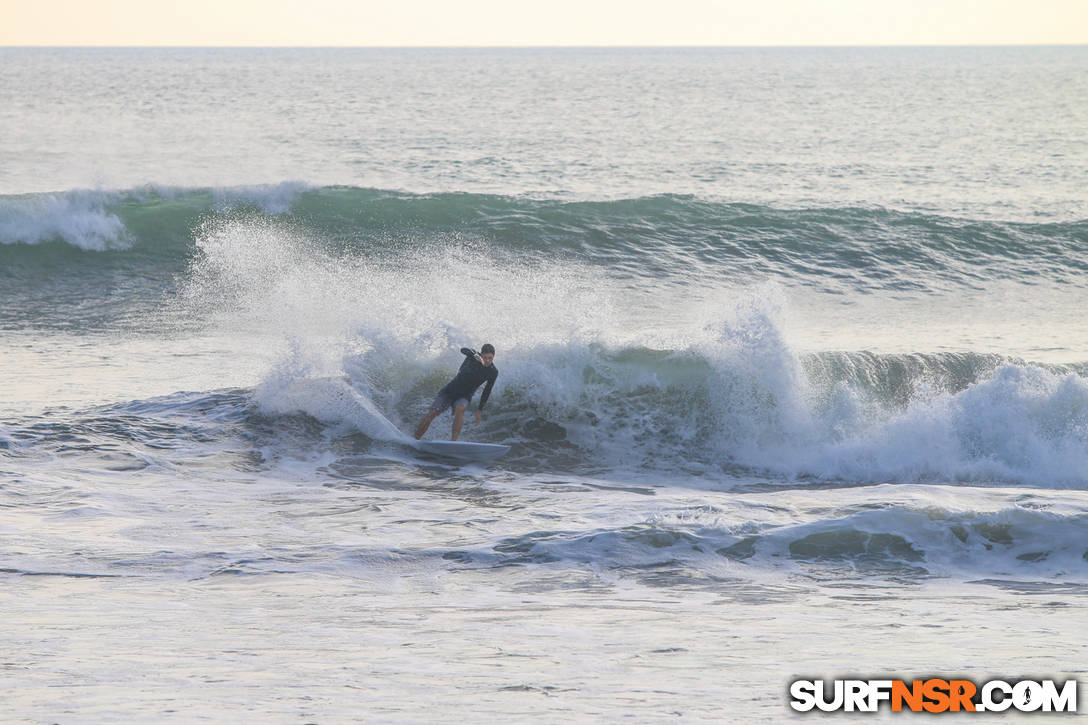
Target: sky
point(542, 23)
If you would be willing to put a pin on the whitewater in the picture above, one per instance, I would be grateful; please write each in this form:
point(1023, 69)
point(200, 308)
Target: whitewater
point(793, 371)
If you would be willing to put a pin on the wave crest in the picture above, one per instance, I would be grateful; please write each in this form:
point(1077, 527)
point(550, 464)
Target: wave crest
point(652, 238)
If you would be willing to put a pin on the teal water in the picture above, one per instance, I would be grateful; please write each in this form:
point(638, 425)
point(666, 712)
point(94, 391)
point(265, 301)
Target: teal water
point(978, 132)
point(792, 355)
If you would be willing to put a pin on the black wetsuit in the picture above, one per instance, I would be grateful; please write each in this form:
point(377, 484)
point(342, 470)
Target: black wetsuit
point(472, 374)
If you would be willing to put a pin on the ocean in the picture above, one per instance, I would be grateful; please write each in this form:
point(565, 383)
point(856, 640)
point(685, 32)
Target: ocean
point(792, 364)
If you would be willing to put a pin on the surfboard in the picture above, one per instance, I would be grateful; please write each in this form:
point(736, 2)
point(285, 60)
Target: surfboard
point(462, 450)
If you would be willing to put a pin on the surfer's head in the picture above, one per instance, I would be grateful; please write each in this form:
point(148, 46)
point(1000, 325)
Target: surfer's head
point(487, 353)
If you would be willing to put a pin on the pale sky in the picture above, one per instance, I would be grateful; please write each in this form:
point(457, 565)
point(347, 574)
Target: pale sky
point(542, 22)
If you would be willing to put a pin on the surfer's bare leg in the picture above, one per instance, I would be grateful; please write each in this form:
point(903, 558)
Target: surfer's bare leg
point(425, 423)
point(458, 419)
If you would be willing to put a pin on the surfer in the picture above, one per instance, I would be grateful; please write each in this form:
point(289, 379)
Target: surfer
point(477, 369)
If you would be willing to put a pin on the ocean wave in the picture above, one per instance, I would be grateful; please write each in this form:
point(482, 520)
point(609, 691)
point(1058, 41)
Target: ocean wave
point(900, 541)
point(588, 407)
point(370, 340)
point(79, 218)
point(643, 413)
point(369, 329)
point(835, 248)
point(154, 215)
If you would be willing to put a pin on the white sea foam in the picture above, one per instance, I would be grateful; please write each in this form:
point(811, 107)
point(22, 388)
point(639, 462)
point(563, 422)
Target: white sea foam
point(1023, 424)
point(271, 198)
point(661, 540)
point(374, 336)
point(89, 218)
point(384, 320)
point(79, 218)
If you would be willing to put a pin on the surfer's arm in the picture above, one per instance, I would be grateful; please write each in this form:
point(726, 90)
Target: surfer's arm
point(487, 392)
point(483, 399)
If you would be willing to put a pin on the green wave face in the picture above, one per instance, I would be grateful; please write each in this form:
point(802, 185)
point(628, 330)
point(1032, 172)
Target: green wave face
point(55, 248)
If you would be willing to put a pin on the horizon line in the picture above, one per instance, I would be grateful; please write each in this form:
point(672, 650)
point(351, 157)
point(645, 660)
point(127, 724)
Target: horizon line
point(545, 46)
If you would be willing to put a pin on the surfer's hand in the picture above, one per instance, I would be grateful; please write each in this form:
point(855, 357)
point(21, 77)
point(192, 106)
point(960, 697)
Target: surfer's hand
point(479, 415)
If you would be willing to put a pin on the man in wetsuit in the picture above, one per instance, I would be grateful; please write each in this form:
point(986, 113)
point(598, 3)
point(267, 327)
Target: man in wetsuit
point(477, 368)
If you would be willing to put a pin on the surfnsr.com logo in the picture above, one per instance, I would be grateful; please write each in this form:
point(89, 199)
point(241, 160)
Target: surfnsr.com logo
point(934, 695)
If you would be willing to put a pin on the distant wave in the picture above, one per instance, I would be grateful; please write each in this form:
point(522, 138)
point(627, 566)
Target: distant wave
point(833, 247)
point(869, 539)
point(78, 218)
point(98, 220)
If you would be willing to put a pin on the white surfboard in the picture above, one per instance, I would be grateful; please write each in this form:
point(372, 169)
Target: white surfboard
point(462, 450)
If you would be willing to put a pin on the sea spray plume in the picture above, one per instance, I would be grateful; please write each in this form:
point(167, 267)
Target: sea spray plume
point(435, 299)
point(381, 322)
point(268, 275)
point(278, 274)
point(300, 383)
point(758, 388)
point(269, 278)
point(726, 389)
